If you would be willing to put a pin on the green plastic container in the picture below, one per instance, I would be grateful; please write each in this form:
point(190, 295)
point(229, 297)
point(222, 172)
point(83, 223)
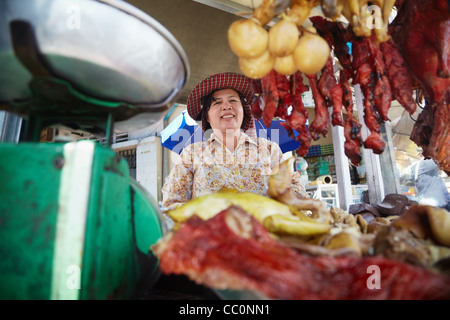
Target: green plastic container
point(73, 224)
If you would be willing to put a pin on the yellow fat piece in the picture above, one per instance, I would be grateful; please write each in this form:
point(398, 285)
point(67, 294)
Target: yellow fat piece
point(292, 225)
point(209, 205)
point(344, 240)
point(440, 224)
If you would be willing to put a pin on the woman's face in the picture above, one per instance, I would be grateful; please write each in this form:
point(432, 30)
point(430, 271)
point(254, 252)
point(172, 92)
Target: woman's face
point(226, 111)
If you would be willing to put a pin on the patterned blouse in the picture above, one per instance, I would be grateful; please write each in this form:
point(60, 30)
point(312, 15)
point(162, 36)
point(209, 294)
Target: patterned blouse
point(208, 166)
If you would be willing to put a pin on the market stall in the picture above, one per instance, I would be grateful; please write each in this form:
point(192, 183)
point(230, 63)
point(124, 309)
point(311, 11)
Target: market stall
point(354, 71)
point(352, 93)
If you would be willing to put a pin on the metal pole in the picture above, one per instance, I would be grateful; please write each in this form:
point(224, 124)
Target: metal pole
point(10, 126)
point(371, 160)
point(389, 163)
point(342, 168)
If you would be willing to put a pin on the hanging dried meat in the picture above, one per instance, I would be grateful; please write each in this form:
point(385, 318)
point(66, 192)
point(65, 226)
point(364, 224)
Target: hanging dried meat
point(421, 31)
point(399, 76)
point(299, 116)
point(332, 91)
point(386, 61)
point(255, 103)
point(337, 37)
point(270, 96)
point(368, 77)
point(352, 128)
point(284, 93)
point(258, 49)
point(274, 95)
point(320, 123)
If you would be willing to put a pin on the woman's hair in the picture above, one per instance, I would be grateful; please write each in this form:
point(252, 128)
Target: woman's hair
point(207, 101)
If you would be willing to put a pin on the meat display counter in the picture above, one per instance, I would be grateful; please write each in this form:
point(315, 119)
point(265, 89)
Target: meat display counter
point(74, 225)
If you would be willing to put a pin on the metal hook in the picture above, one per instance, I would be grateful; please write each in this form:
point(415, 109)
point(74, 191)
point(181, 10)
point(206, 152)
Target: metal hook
point(417, 101)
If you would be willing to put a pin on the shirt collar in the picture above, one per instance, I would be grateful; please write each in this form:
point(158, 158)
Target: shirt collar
point(242, 139)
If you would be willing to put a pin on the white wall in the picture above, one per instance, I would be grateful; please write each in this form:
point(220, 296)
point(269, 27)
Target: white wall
point(148, 163)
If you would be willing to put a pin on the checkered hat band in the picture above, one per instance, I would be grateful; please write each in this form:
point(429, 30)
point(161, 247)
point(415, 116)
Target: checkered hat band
point(219, 81)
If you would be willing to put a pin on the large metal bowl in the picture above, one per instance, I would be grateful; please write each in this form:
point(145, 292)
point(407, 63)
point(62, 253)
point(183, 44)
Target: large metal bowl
point(107, 49)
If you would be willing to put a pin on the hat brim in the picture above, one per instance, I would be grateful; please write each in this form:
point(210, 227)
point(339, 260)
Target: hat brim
point(218, 81)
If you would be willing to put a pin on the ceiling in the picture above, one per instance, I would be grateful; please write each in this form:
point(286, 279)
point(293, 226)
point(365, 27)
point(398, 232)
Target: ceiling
point(202, 32)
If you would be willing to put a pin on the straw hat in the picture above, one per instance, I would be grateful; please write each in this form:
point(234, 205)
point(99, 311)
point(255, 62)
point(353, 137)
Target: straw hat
point(218, 81)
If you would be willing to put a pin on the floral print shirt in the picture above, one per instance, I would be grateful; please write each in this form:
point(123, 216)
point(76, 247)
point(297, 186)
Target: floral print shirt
point(208, 166)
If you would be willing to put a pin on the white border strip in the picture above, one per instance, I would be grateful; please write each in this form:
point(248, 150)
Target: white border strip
point(71, 221)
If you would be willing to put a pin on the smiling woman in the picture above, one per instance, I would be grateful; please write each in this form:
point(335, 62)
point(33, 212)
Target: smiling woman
point(232, 156)
point(224, 113)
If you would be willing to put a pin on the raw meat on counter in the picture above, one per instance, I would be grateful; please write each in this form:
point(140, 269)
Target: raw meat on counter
point(234, 251)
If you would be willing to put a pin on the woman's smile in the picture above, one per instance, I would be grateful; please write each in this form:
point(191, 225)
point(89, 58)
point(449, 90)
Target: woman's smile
point(228, 116)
